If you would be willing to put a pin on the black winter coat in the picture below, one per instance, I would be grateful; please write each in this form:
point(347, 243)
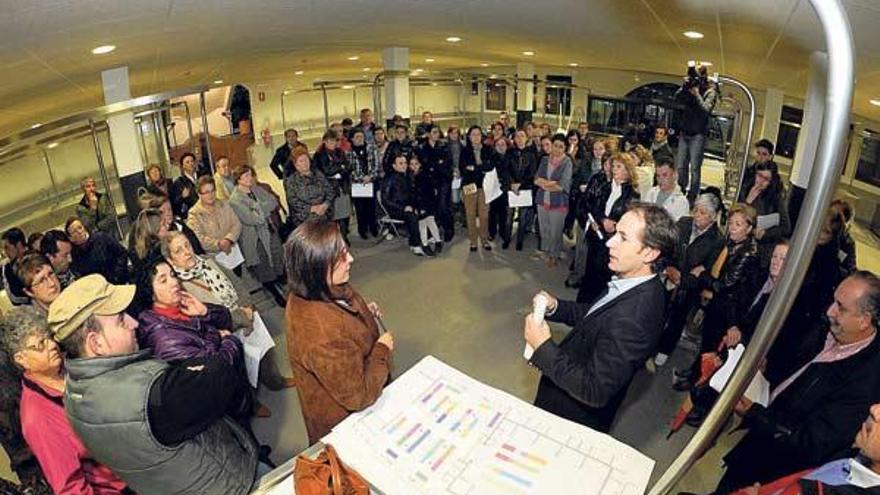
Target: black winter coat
point(397, 192)
point(424, 195)
point(395, 148)
point(703, 251)
point(332, 164)
point(179, 204)
point(586, 376)
point(436, 162)
point(470, 172)
point(734, 289)
point(522, 165)
point(104, 255)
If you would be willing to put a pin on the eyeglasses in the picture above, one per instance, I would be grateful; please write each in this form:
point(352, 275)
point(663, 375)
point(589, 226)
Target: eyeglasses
point(206, 192)
point(42, 280)
point(45, 340)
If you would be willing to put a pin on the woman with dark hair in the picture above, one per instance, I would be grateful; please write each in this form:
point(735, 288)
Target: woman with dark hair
point(146, 233)
point(473, 164)
point(847, 244)
point(332, 161)
point(157, 183)
point(553, 182)
point(364, 170)
point(183, 190)
point(580, 175)
point(259, 244)
point(309, 193)
point(767, 197)
point(498, 206)
point(522, 163)
point(340, 362)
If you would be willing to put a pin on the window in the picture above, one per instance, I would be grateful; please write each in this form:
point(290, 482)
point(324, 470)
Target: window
point(868, 168)
point(557, 98)
point(789, 127)
point(496, 95)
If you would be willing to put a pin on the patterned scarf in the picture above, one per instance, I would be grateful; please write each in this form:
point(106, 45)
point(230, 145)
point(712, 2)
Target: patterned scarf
point(212, 279)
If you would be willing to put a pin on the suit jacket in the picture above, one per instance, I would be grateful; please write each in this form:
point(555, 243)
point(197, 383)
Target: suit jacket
point(703, 251)
point(811, 422)
point(585, 377)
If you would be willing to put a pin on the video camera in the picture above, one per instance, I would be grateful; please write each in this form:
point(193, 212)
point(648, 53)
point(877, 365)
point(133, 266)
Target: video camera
point(696, 76)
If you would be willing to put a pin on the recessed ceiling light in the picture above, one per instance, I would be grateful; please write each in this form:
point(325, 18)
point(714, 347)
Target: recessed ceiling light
point(528, 53)
point(573, 64)
point(876, 103)
point(101, 50)
point(218, 81)
point(429, 60)
point(298, 73)
point(353, 57)
point(694, 35)
point(484, 65)
point(493, 76)
point(453, 39)
point(419, 70)
point(704, 64)
point(366, 69)
point(348, 86)
point(433, 84)
point(38, 124)
point(52, 145)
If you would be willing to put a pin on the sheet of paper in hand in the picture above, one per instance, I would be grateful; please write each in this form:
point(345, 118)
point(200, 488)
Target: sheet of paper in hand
point(521, 199)
point(362, 190)
point(256, 345)
point(232, 260)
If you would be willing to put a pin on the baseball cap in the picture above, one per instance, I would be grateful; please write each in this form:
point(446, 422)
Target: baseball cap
point(90, 295)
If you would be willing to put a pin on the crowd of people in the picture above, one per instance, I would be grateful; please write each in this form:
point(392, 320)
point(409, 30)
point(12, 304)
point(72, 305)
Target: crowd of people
point(140, 337)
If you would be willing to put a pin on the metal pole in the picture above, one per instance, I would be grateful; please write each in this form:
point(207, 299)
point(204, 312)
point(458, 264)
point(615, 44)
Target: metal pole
point(189, 127)
point(283, 117)
point(482, 87)
point(823, 179)
point(51, 176)
point(326, 107)
point(143, 140)
point(745, 89)
point(204, 110)
point(103, 171)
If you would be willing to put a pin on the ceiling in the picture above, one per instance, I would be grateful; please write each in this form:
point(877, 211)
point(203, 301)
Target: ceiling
point(170, 44)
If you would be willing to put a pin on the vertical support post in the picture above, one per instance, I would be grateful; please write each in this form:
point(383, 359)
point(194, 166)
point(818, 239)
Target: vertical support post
point(102, 169)
point(326, 106)
point(204, 110)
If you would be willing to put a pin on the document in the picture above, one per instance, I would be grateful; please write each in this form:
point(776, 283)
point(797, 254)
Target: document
point(768, 221)
point(456, 183)
point(437, 431)
point(256, 345)
point(362, 190)
point(521, 199)
point(232, 260)
point(758, 391)
point(491, 186)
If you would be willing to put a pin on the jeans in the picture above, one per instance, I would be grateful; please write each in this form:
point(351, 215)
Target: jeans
point(444, 210)
point(689, 161)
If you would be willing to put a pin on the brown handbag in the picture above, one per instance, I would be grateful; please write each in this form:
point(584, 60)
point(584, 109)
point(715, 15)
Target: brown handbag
point(327, 475)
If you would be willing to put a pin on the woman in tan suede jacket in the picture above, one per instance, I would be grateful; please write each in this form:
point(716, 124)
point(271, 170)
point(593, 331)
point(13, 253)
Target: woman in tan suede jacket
point(340, 361)
point(212, 219)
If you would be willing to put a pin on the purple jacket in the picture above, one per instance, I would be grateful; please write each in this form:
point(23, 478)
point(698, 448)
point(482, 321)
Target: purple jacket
point(173, 340)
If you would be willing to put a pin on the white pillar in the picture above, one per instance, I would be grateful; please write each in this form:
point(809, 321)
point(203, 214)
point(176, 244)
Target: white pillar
point(772, 112)
point(811, 126)
point(395, 62)
point(525, 98)
point(124, 138)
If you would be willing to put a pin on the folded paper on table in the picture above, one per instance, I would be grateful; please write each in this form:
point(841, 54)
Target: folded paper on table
point(491, 186)
point(256, 345)
point(768, 221)
point(456, 183)
point(521, 199)
point(758, 391)
point(232, 260)
point(362, 190)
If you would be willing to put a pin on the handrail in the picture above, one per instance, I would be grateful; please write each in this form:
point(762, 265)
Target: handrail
point(95, 114)
point(823, 180)
point(745, 89)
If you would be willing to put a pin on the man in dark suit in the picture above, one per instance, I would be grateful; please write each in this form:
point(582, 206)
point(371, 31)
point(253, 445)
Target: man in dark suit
point(281, 165)
point(586, 376)
point(814, 414)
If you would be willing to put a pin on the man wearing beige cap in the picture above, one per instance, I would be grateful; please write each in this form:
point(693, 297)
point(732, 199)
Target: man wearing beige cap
point(160, 427)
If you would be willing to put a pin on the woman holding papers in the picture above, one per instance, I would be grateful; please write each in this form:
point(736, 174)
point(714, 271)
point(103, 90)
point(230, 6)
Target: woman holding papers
point(340, 361)
point(364, 176)
point(204, 279)
point(767, 197)
point(309, 193)
point(498, 206)
point(473, 164)
point(522, 163)
point(212, 219)
point(259, 244)
point(553, 183)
